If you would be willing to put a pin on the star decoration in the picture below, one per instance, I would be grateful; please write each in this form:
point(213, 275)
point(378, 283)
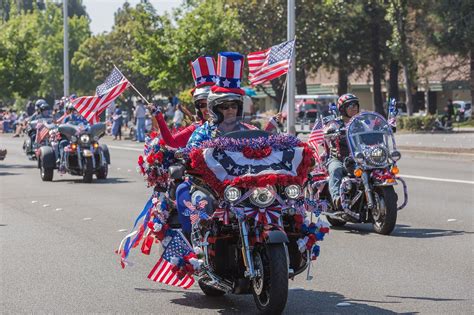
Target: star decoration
point(202, 80)
point(238, 82)
point(226, 83)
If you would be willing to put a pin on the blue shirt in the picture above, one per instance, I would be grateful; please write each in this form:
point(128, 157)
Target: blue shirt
point(73, 118)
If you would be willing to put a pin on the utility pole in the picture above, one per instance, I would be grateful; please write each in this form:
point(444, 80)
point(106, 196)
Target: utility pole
point(66, 49)
point(290, 90)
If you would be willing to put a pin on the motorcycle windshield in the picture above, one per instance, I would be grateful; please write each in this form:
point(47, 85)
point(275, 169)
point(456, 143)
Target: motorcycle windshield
point(370, 139)
point(252, 148)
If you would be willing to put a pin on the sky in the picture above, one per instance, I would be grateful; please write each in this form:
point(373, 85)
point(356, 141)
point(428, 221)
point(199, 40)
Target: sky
point(101, 12)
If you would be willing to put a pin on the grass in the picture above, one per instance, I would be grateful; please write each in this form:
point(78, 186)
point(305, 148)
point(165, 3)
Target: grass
point(465, 124)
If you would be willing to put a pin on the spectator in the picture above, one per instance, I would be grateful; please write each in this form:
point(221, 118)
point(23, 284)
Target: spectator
point(140, 114)
point(170, 108)
point(117, 124)
point(450, 109)
point(20, 124)
point(178, 117)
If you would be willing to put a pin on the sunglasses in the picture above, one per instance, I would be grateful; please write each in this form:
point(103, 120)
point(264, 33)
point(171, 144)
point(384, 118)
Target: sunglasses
point(352, 105)
point(202, 104)
point(227, 106)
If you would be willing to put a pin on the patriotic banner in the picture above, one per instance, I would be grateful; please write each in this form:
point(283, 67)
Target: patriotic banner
point(167, 269)
point(270, 63)
point(264, 215)
point(227, 165)
point(90, 107)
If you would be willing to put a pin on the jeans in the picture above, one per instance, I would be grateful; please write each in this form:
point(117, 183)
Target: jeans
point(336, 173)
point(141, 129)
point(62, 144)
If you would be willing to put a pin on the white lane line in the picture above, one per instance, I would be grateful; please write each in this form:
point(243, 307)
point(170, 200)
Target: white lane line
point(446, 180)
point(452, 220)
point(86, 219)
point(45, 205)
point(34, 201)
point(122, 230)
point(124, 148)
point(59, 209)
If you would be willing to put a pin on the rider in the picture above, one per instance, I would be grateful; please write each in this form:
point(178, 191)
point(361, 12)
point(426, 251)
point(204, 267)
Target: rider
point(42, 110)
point(204, 75)
point(348, 107)
point(224, 105)
point(72, 117)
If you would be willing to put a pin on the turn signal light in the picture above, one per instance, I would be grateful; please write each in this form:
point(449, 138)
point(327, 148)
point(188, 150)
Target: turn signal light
point(358, 172)
point(395, 170)
point(73, 146)
point(95, 145)
point(390, 180)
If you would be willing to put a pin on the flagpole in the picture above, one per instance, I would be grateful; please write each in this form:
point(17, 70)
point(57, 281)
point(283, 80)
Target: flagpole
point(283, 94)
point(133, 86)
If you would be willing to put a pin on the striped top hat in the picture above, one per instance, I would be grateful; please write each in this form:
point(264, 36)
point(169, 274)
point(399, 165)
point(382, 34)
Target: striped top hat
point(229, 73)
point(203, 70)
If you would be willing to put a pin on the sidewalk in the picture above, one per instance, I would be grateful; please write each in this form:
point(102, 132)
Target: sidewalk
point(455, 142)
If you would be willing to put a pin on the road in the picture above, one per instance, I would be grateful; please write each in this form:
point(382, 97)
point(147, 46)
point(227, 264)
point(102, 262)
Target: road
point(58, 239)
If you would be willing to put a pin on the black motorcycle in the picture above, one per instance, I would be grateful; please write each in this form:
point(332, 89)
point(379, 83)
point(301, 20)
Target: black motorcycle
point(367, 191)
point(83, 156)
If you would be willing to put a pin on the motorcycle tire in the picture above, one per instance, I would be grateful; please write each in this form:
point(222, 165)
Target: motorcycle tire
point(46, 173)
point(209, 290)
point(88, 171)
point(336, 222)
point(103, 172)
point(386, 224)
point(270, 289)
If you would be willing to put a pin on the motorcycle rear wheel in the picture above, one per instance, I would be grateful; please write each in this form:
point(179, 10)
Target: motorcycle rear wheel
point(270, 288)
point(385, 222)
point(46, 173)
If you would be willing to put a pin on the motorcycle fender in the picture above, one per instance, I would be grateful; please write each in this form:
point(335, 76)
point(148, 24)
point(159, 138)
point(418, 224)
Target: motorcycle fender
point(275, 237)
point(87, 153)
point(47, 156)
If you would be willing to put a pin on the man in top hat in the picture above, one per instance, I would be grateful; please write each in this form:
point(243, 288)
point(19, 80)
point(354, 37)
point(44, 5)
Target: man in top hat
point(203, 70)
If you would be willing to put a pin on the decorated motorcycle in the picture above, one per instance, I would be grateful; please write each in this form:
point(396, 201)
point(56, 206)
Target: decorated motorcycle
point(255, 224)
point(37, 132)
point(367, 191)
point(83, 156)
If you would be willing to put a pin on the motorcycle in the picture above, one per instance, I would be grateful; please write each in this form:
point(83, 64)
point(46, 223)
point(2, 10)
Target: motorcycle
point(83, 156)
point(367, 191)
point(31, 145)
point(253, 228)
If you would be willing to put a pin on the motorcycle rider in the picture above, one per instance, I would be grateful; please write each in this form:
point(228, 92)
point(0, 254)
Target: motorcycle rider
point(224, 105)
point(42, 110)
point(338, 150)
point(204, 75)
point(72, 117)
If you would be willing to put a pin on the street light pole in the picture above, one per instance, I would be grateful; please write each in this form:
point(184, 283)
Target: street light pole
point(66, 49)
point(290, 90)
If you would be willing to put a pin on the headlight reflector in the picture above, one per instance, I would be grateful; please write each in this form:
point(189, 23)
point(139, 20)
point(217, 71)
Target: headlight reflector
point(262, 197)
point(85, 138)
point(293, 191)
point(232, 194)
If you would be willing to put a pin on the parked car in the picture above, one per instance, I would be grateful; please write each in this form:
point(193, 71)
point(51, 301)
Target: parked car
point(310, 107)
point(463, 110)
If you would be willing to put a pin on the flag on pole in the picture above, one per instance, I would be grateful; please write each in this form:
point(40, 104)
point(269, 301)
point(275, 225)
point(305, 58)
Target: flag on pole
point(316, 137)
point(165, 271)
point(41, 132)
point(90, 107)
point(268, 64)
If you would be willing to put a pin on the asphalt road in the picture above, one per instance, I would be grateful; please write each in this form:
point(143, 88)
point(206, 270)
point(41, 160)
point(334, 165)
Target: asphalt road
point(57, 243)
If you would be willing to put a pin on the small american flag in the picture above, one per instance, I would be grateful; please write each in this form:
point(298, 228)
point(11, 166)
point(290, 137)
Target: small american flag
point(271, 63)
point(164, 270)
point(90, 107)
point(41, 132)
point(316, 137)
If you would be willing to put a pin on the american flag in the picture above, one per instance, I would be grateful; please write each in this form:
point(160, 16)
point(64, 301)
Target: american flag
point(316, 137)
point(41, 132)
point(271, 63)
point(164, 270)
point(90, 107)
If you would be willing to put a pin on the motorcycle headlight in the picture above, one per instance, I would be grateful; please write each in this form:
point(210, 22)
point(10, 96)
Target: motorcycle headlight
point(262, 197)
point(293, 191)
point(232, 194)
point(395, 155)
point(378, 155)
point(85, 138)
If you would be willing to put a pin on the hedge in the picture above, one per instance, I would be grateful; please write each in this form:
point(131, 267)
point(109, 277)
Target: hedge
point(416, 123)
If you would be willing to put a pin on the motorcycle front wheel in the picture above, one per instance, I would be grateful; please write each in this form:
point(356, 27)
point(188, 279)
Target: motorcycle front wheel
point(270, 287)
point(385, 216)
point(88, 170)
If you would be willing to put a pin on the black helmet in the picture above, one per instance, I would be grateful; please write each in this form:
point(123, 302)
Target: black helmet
point(215, 99)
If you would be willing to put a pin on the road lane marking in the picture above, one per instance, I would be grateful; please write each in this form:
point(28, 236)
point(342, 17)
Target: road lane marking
point(122, 230)
point(124, 148)
point(59, 209)
point(452, 220)
point(45, 205)
point(86, 219)
point(446, 180)
point(34, 201)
